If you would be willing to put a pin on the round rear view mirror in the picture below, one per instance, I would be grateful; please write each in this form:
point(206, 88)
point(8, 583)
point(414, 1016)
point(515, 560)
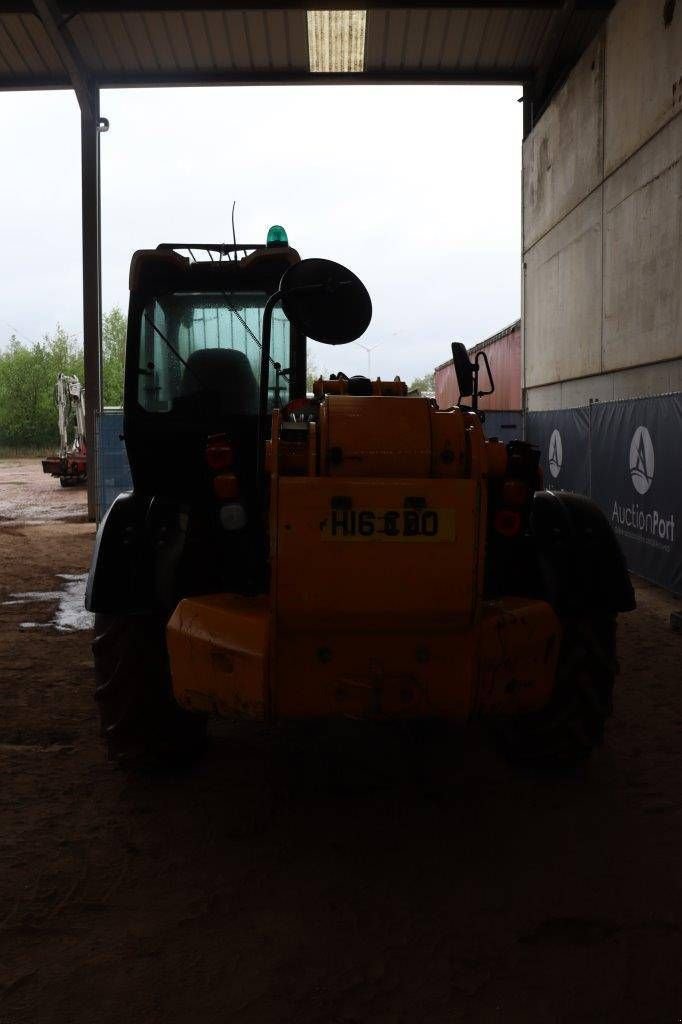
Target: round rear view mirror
point(325, 301)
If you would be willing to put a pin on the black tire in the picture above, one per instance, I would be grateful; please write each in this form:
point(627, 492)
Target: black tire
point(66, 481)
point(143, 726)
point(563, 734)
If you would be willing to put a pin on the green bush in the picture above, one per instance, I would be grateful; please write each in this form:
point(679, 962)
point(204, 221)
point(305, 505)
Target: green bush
point(28, 373)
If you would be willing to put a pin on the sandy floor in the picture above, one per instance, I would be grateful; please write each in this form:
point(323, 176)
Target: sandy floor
point(364, 885)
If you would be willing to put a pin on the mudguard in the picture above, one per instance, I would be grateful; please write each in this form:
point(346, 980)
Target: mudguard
point(581, 563)
point(119, 579)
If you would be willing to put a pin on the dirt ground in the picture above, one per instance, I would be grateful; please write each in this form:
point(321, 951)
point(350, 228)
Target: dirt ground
point(368, 884)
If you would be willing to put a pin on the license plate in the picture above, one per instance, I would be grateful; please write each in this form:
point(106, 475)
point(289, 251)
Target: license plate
point(405, 524)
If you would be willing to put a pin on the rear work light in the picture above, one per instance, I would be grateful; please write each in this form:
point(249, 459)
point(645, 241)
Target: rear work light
point(233, 516)
point(226, 486)
point(219, 454)
point(508, 522)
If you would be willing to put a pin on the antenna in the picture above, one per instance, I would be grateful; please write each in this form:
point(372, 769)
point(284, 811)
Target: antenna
point(234, 234)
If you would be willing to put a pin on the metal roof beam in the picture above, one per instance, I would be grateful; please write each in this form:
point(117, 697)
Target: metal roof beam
point(92, 289)
point(62, 40)
point(498, 76)
point(32, 83)
point(123, 80)
point(73, 7)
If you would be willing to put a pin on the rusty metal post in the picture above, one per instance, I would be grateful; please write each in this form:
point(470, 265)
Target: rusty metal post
point(92, 287)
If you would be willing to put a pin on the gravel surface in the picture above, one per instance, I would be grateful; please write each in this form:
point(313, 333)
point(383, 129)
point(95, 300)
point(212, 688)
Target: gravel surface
point(28, 495)
point(327, 879)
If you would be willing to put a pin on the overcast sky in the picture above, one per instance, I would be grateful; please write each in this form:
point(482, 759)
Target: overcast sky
point(416, 189)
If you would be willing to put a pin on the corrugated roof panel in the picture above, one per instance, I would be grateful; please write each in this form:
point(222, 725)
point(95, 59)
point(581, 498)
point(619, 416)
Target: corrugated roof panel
point(176, 31)
point(110, 43)
point(158, 39)
point(296, 26)
point(532, 34)
point(396, 32)
point(23, 44)
point(277, 28)
point(219, 41)
point(195, 26)
point(456, 39)
point(537, 38)
point(236, 26)
point(4, 66)
point(472, 39)
point(123, 44)
point(498, 29)
point(48, 55)
point(374, 39)
point(87, 44)
point(8, 56)
point(259, 42)
point(102, 43)
point(415, 38)
point(509, 28)
point(9, 50)
point(138, 32)
point(435, 30)
point(511, 46)
point(392, 40)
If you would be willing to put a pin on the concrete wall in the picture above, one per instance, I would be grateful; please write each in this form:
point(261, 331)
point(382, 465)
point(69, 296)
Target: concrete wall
point(602, 210)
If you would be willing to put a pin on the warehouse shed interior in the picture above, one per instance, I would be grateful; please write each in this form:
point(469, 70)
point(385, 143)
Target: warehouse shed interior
point(390, 866)
point(88, 45)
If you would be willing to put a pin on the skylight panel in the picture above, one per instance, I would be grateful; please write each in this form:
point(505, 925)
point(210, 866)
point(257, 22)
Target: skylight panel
point(336, 41)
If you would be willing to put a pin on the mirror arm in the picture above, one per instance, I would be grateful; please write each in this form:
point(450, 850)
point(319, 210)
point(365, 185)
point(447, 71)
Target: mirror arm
point(265, 379)
point(482, 355)
point(474, 396)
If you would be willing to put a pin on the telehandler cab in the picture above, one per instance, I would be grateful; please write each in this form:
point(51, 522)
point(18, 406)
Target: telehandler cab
point(356, 553)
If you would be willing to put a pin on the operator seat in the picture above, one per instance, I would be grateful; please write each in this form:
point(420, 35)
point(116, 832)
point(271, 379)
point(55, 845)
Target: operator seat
point(225, 372)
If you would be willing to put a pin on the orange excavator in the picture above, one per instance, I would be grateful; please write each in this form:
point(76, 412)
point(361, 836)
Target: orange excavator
point(357, 553)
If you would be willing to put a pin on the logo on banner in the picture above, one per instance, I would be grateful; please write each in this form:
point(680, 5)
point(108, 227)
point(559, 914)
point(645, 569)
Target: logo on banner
point(556, 453)
point(651, 526)
point(641, 460)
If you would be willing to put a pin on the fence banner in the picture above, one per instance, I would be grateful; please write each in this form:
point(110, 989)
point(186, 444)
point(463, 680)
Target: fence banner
point(562, 436)
point(628, 457)
point(637, 480)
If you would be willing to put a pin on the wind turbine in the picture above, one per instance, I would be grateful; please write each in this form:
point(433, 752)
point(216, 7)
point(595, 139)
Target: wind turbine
point(368, 349)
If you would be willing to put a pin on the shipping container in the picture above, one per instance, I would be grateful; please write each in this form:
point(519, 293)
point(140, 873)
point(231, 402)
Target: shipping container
point(114, 471)
point(504, 354)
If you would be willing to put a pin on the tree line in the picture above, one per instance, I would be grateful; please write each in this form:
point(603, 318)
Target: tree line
point(28, 373)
